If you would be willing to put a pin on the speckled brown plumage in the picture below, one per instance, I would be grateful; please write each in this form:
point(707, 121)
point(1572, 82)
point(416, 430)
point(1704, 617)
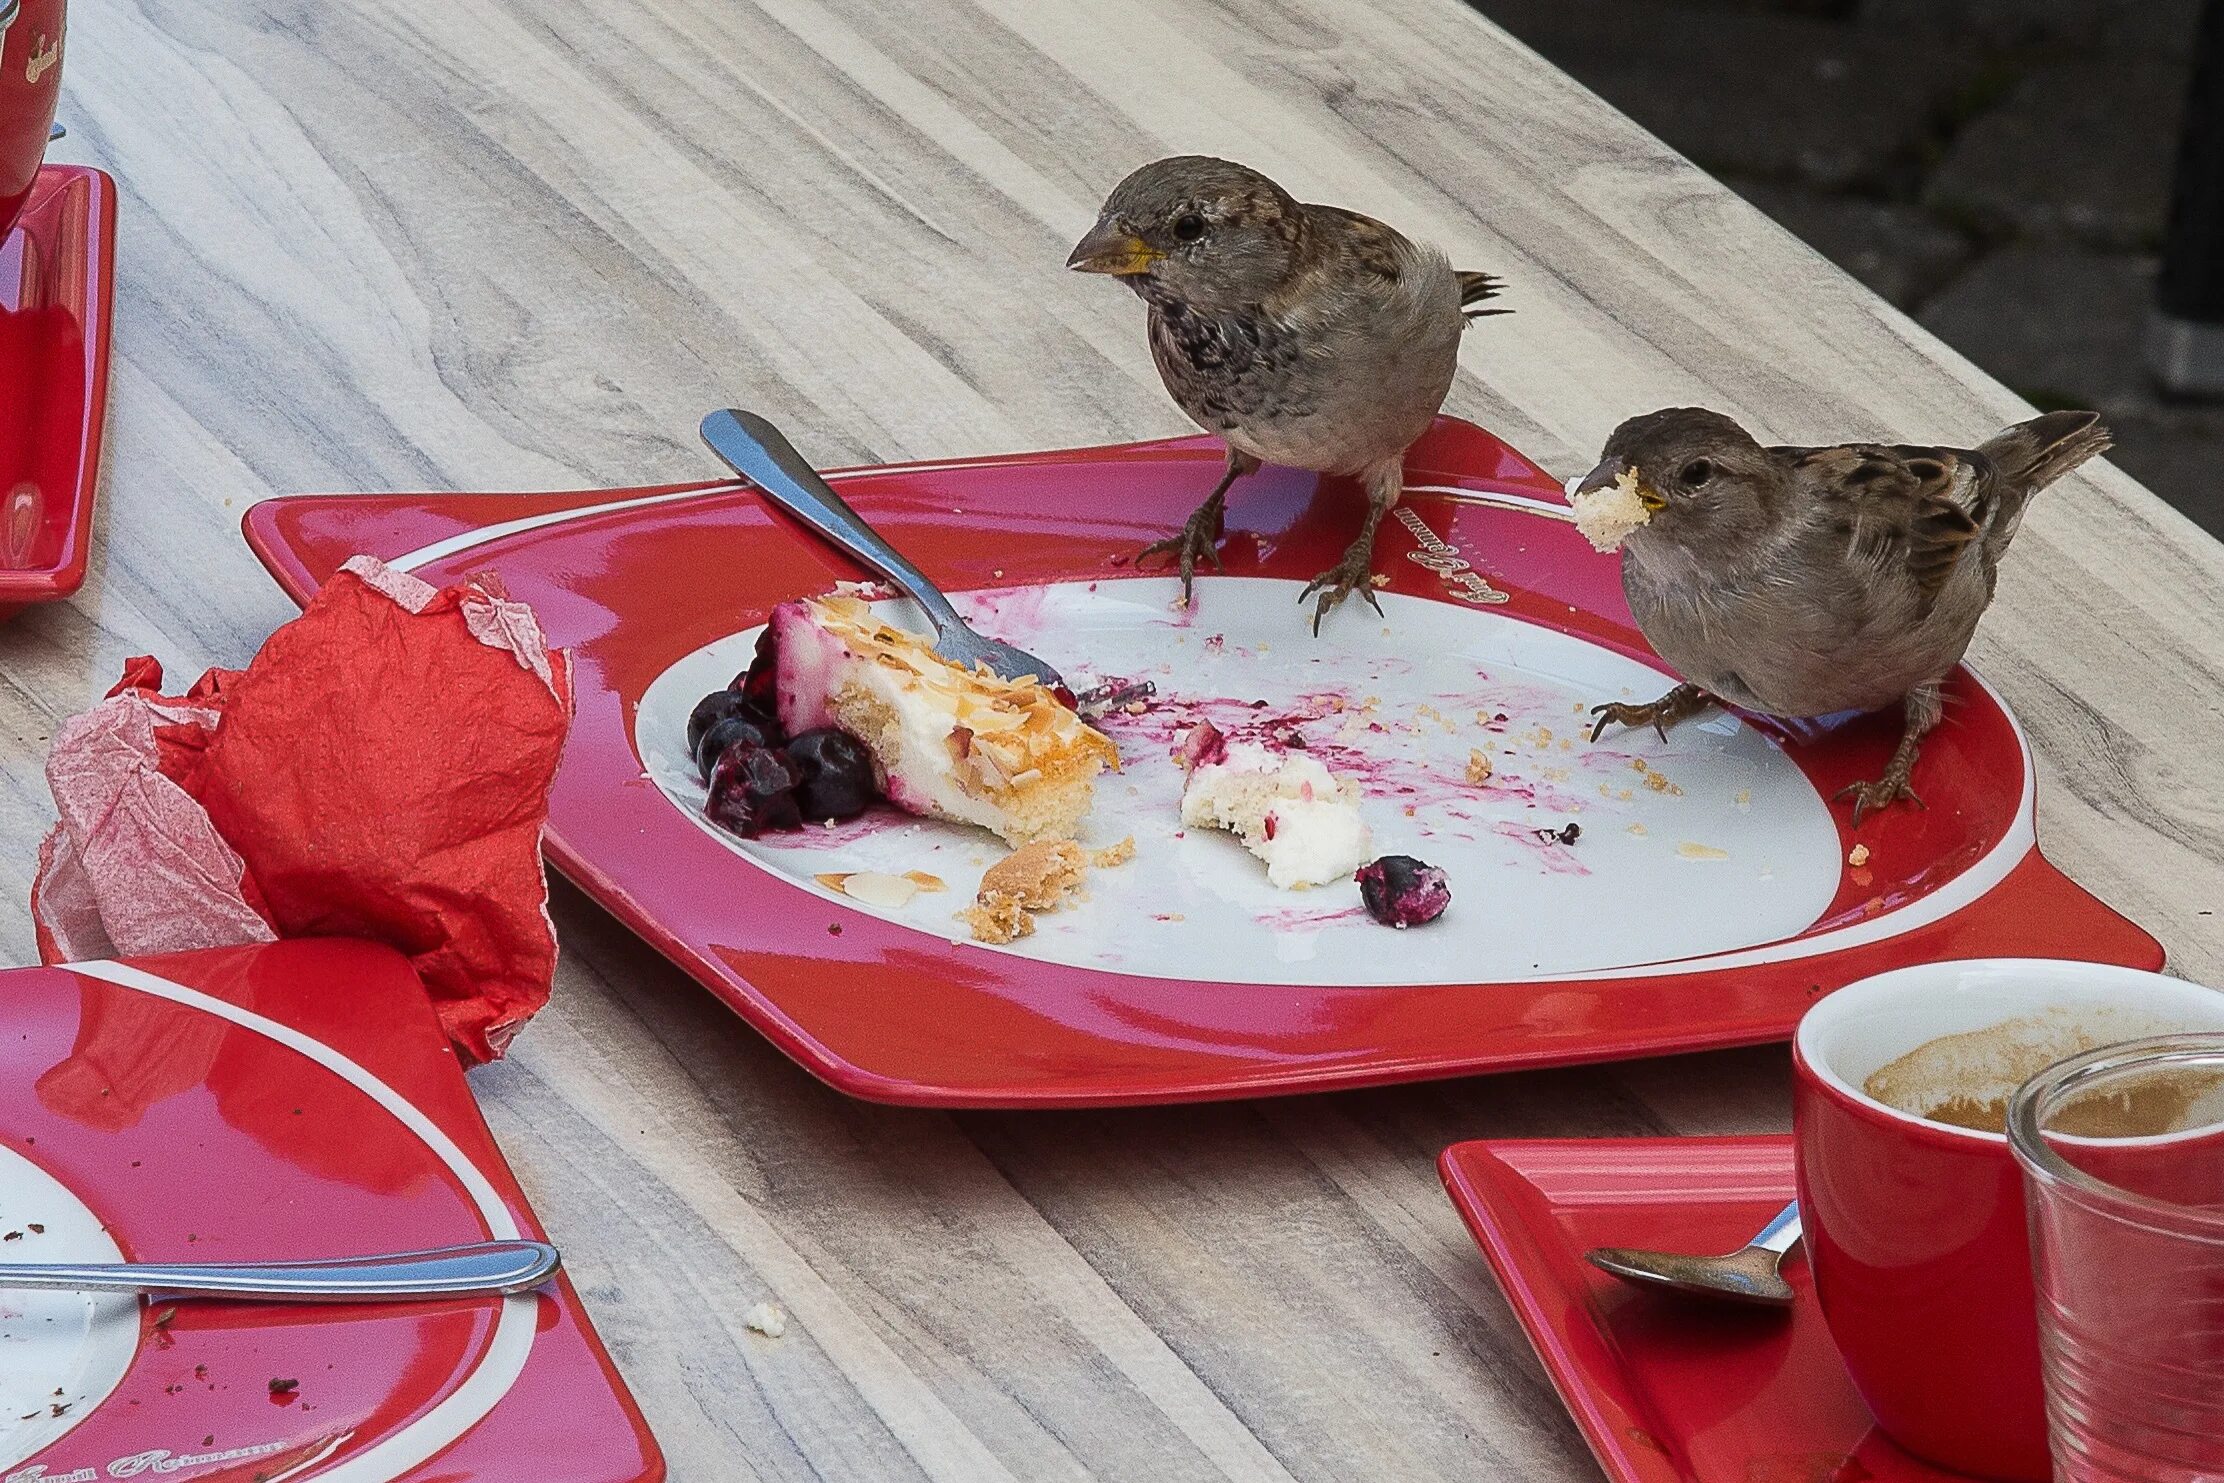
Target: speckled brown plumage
point(1303, 335)
point(1810, 581)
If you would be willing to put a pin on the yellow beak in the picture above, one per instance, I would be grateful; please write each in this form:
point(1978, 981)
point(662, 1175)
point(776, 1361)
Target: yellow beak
point(1612, 472)
point(1109, 249)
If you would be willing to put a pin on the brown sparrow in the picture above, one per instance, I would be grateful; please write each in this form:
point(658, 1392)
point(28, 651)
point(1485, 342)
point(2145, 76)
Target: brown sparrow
point(1810, 581)
point(1308, 336)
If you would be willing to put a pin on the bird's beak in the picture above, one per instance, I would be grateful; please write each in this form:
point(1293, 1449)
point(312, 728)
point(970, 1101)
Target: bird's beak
point(1609, 473)
point(1110, 248)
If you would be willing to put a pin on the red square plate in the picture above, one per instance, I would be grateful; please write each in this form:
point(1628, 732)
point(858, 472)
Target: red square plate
point(288, 1102)
point(56, 283)
point(1707, 900)
point(1669, 1390)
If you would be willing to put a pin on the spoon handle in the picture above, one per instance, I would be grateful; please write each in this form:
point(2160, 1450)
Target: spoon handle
point(488, 1267)
point(1781, 1234)
point(756, 450)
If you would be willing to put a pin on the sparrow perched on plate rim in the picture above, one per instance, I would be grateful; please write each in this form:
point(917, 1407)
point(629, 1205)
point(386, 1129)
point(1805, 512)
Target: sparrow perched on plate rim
point(1800, 582)
point(1302, 335)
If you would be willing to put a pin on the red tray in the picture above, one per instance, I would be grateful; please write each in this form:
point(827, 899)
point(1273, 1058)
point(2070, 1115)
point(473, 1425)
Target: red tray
point(56, 283)
point(289, 1102)
point(1111, 1003)
point(1666, 1389)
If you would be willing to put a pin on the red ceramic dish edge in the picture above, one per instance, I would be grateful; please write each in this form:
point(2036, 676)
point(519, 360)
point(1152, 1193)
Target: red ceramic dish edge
point(19, 589)
point(1605, 1421)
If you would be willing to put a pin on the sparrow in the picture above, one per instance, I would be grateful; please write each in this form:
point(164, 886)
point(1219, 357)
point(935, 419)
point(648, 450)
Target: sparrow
point(1800, 582)
point(1302, 335)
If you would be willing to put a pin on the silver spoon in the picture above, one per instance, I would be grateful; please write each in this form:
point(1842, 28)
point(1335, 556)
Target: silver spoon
point(456, 1271)
point(1747, 1276)
point(755, 449)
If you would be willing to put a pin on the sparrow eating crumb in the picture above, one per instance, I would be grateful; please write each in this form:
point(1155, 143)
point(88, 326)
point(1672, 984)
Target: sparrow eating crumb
point(1307, 336)
point(1801, 582)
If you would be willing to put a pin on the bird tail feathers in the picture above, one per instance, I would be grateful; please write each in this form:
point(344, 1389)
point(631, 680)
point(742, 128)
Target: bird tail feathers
point(1476, 287)
point(2031, 455)
point(2034, 454)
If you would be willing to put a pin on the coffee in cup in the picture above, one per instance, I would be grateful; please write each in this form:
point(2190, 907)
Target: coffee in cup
point(1913, 1209)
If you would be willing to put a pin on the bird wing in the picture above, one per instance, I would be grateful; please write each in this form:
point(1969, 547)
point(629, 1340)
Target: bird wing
point(1916, 509)
point(1383, 252)
point(1378, 250)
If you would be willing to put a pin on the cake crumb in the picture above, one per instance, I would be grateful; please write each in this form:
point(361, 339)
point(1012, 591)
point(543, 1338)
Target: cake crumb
point(1035, 877)
point(766, 1319)
point(1638, 830)
point(1114, 855)
point(926, 882)
point(1478, 767)
point(1691, 851)
point(1744, 800)
point(1859, 856)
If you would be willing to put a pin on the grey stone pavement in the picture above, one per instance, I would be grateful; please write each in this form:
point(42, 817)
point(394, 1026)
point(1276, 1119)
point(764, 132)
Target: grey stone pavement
point(2000, 169)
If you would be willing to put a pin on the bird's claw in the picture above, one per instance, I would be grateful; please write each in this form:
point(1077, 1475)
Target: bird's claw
point(1199, 537)
point(1355, 573)
point(1621, 713)
point(1874, 797)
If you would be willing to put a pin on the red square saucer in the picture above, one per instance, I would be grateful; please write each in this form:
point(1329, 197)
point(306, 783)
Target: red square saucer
point(56, 284)
point(287, 1102)
point(1687, 917)
point(1670, 1390)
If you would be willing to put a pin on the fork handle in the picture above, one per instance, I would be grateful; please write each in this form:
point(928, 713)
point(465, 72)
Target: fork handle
point(488, 1267)
point(756, 450)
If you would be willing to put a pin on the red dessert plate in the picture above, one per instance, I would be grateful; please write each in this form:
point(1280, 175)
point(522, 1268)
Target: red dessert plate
point(1706, 899)
point(289, 1102)
point(56, 281)
point(1670, 1389)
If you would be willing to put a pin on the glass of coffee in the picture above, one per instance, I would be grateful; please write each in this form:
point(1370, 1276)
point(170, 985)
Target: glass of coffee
point(2122, 1151)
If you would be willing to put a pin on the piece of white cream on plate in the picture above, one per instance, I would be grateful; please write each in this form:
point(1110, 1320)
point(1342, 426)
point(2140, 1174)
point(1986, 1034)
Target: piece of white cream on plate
point(1287, 808)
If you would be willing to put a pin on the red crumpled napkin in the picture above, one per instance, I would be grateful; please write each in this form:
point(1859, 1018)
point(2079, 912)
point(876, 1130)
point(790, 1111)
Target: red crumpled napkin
point(380, 770)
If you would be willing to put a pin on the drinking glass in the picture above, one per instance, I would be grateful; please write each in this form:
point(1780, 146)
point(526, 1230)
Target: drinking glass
point(2122, 1151)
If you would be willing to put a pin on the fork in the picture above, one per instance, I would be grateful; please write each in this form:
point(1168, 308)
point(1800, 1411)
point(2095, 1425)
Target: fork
point(753, 448)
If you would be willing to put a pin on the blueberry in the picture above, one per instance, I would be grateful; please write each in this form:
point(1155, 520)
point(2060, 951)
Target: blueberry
point(752, 791)
point(758, 685)
point(1400, 891)
point(837, 769)
point(709, 711)
point(739, 727)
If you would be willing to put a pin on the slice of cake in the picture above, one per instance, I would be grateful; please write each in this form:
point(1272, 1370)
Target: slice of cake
point(949, 743)
point(1288, 809)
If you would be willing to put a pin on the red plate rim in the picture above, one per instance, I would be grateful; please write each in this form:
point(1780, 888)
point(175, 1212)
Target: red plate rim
point(428, 531)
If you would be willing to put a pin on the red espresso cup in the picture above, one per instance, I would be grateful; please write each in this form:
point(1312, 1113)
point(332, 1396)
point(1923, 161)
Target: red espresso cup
point(30, 84)
point(1915, 1229)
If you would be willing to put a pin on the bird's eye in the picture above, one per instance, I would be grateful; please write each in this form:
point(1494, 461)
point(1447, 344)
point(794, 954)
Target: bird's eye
point(1189, 226)
point(1696, 473)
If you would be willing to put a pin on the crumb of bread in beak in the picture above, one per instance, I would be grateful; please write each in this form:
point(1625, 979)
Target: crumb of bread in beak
point(1607, 516)
point(766, 1319)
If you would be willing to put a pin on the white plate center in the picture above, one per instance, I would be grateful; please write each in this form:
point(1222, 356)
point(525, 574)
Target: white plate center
point(1715, 842)
point(61, 1353)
